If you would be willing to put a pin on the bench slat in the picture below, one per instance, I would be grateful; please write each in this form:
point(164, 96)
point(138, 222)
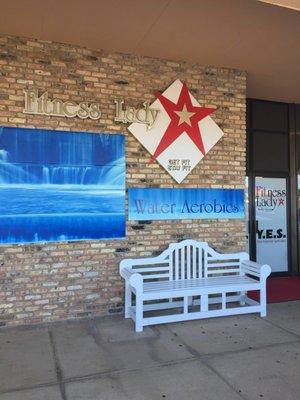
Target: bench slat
point(156, 276)
point(194, 263)
point(198, 315)
point(194, 291)
point(199, 282)
point(176, 255)
point(223, 264)
point(151, 269)
point(204, 269)
point(182, 264)
point(223, 272)
point(188, 261)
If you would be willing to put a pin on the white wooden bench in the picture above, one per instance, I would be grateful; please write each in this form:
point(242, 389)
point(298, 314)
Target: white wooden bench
point(189, 280)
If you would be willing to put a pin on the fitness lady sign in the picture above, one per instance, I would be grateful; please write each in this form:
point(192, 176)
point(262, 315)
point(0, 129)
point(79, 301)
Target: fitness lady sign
point(271, 230)
point(43, 105)
point(175, 129)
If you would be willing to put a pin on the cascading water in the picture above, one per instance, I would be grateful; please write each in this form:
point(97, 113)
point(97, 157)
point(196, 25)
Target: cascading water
point(108, 176)
point(60, 158)
point(3, 155)
point(13, 173)
point(60, 180)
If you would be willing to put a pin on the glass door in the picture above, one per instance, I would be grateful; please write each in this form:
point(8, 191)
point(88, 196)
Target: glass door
point(271, 222)
point(298, 218)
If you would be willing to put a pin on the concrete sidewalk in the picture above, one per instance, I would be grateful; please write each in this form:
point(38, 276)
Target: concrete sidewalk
point(229, 358)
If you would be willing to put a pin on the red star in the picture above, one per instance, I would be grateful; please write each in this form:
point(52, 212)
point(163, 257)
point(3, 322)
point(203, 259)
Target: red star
point(184, 118)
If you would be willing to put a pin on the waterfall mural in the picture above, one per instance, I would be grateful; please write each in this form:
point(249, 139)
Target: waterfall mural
point(61, 186)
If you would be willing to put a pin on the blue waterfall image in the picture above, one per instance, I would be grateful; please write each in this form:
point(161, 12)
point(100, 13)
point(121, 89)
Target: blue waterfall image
point(61, 186)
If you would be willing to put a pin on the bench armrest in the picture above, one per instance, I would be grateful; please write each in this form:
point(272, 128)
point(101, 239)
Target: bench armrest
point(136, 281)
point(126, 273)
point(261, 271)
point(133, 278)
point(133, 262)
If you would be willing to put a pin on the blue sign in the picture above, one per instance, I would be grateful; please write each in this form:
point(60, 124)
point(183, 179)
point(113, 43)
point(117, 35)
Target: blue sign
point(57, 186)
point(165, 204)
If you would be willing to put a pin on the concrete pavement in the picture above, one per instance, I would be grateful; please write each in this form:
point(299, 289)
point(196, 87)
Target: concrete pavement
point(230, 358)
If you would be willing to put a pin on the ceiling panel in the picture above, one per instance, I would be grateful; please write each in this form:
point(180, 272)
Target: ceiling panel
point(261, 38)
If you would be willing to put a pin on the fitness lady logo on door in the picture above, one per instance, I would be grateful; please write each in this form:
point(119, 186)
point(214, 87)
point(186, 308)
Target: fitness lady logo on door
point(269, 199)
point(182, 134)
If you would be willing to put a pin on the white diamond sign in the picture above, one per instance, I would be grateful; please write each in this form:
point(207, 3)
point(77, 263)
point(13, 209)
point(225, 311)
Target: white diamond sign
point(183, 131)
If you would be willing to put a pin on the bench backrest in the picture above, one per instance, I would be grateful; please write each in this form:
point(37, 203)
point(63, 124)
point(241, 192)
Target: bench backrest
point(188, 259)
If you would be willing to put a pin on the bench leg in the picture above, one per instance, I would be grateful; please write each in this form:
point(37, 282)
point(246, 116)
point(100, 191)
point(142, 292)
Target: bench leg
point(204, 302)
point(128, 300)
point(263, 301)
point(224, 301)
point(138, 314)
point(242, 301)
point(186, 305)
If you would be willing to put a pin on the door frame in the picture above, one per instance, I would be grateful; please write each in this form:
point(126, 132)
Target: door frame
point(252, 216)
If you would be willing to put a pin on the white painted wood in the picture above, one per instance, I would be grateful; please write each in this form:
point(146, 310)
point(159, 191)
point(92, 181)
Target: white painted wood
point(203, 273)
point(263, 301)
point(204, 303)
point(249, 301)
point(179, 304)
point(224, 301)
point(176, 256)
point(128, 299)
point(185, 305)
point(188, 269)
point(188, 261)
point(199, 315)
point(171, 267)
point(194, 262)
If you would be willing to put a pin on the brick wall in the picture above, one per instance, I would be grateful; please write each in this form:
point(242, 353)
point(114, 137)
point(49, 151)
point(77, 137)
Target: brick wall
point(47, 282)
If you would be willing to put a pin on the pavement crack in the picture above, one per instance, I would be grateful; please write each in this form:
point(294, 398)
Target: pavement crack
point(281, 327)
point(201, 358)
point(93, 330)
point(100, 375)
point(204, 358)
point(214, 371)
point(58, 369)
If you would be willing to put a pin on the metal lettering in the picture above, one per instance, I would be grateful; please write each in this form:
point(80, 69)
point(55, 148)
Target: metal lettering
point(144, 115)
point(70, 113)
point(42, 105)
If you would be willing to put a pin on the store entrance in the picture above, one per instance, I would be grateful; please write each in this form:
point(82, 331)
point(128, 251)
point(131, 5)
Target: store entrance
point(273, 170)
point(271, 233)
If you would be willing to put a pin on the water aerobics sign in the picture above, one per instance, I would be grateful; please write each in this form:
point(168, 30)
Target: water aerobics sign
point(166, 204)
